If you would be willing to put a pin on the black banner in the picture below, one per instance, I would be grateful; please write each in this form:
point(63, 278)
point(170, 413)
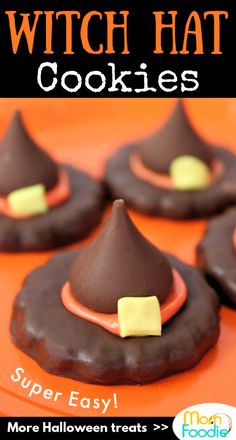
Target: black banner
point(146, 427)
point(118, 48)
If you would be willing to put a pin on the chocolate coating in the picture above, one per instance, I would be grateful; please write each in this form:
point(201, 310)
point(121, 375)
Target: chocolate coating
point(120, 262)
point(72, 347)
point(175, 138)
point(22, 162)
point(216, 256)
point(152, 200)
point(66, 223)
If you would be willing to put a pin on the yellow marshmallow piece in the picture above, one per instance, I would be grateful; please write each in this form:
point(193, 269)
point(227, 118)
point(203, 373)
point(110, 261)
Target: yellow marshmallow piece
point(189, 173)
point(139, 316)
point(30, 200)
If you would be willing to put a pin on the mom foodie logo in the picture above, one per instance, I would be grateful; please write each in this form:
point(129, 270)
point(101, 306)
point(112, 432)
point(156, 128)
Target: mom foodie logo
point(206, 421)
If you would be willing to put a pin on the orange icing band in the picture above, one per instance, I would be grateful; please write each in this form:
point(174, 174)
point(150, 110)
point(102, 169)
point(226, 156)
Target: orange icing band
point(61, 192)
point(234, 238)
point(55, 196)
point(169, 307)
point(163, 180)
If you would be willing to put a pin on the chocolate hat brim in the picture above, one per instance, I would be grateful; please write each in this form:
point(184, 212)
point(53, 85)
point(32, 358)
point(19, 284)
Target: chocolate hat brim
point(216, 256)
point(66, 223)
point(65, 345)
point(152, 200)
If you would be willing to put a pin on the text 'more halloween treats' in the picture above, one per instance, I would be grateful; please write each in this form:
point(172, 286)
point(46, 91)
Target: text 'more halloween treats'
point(43, 204)
point(174, 174)
point(216, 255)
point(116, 311)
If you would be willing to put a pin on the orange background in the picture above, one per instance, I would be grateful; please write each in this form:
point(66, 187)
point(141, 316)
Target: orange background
point(84, 132)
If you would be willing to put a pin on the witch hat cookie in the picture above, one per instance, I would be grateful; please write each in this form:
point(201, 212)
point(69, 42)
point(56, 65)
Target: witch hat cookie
point(117, 311)
point(43, 204)
point(175, 173)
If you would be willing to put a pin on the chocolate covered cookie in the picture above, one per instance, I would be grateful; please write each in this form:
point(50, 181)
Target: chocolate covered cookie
point(43, 204)
point(174, 174)
point(216, 255)
point(117, 311)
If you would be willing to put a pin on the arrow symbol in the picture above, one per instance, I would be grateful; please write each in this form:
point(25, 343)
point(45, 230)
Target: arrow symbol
point(155, 427)
point(163, 427)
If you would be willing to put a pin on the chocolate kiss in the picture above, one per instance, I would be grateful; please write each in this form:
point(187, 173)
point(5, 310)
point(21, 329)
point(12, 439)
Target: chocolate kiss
point(175, 138)
point(22, 162)
point(120, 262)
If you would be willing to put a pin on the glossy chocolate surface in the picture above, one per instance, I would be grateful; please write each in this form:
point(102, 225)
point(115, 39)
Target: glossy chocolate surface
point(119, 262)
point(66, 345)
point(175, 138)
point(22, 161)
